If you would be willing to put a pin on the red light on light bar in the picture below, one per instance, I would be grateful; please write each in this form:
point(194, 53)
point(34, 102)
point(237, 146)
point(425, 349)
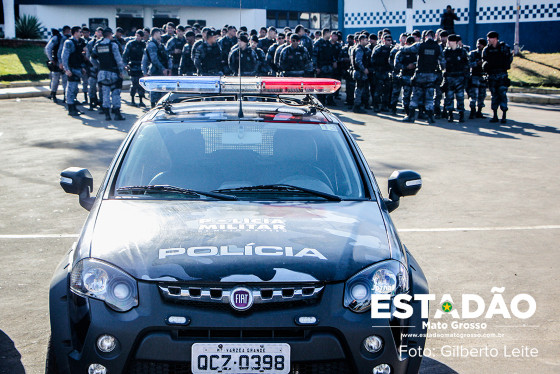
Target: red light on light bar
point(299, 85)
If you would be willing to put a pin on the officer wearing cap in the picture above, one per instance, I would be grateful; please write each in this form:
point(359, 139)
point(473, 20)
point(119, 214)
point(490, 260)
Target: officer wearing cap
point(107, 58)
point(430, 60)
point(132, 58)
point(294, 60)
point(175, 47)
point(262, 67)
point(74, 67)
point(242, 58)
point(119, 38)
point(324, 61)
point(93, 71)
point(186, 65)
point(496, 61)
point(477, 83)
point(207, 56)
point(405, 65)
point(381, 67)
point(360, 63)
point(280, 40)
point(455, 76)
point(155, 61)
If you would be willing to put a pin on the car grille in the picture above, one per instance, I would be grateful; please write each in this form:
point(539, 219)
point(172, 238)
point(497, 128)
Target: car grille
point(319, 367)
point(206, 296)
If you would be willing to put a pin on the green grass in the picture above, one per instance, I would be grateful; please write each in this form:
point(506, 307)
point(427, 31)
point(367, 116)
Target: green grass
point(24, 63)
point(536, 70)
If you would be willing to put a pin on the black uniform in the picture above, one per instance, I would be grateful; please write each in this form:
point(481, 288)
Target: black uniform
point(381, 75)
point(294, 62)
point(186, 66)
point(477, 83)
point(265, 43)
point(456, 74)
point(360, 63)
point(208, 59)
point(249, 62)
point(345, 68)
point(496, 62)
point(132, 58)
point(226, 44)
point(175, 43)
point(324, 59)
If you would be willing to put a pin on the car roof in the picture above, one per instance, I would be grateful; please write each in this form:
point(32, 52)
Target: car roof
point(254, 108)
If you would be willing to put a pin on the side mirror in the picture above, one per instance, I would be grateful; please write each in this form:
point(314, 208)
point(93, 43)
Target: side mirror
point(402, 183)
point(79, 182)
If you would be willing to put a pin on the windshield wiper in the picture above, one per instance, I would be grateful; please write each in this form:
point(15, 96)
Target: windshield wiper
point(164, 188)
point(281, 188)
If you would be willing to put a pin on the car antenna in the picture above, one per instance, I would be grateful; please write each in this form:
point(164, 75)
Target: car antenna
point(240, 113)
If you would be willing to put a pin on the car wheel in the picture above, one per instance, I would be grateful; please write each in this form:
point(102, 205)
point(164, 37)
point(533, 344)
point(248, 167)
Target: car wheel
point(50, 363)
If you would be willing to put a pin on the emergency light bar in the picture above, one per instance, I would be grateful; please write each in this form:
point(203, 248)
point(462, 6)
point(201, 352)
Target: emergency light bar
point(245, 85)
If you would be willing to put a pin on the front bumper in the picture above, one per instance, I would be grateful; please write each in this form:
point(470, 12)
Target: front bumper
point(147, 344)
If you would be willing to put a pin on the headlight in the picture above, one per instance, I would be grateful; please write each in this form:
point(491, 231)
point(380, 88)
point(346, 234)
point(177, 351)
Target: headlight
point(103, 281)
point(387, 277)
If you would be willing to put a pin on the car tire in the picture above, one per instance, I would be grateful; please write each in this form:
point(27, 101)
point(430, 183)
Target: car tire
point(50, 363)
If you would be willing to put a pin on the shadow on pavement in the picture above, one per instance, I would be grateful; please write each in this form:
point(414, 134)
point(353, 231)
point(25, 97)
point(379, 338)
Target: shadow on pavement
point(431, 366)
point(96, 118)
point(10, 358)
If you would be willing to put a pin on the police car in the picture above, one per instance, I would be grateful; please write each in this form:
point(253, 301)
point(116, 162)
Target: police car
point(238, 229)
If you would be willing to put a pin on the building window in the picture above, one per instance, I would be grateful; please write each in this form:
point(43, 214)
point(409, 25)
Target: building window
point(94, 23)
point(312, 21)
point(201, 22)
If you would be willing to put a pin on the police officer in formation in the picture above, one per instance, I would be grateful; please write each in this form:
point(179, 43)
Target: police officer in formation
point(360, 71)
point(93, 70)
point(174, 47)
point(457, 70)
point(405, 66)
point(53, 51)
point(345, 65)
point(186, 66)
point(107, 59)
point(132, 58)
point(477, 83)
point(496, 61)
point(294, 59)
point(73, 61)
point(325, 61)
point(207, 55)
point(242, 58)
point(156, 61)
point(381, 70)
point(262, 67)
point(280, 41)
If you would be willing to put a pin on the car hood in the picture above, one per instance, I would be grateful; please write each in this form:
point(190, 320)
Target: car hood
point(218, 241)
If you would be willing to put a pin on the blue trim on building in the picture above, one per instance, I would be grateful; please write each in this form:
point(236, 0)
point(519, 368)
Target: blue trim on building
point(324, 6)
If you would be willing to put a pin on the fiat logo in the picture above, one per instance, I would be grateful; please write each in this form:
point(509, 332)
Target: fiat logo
point(241, 298)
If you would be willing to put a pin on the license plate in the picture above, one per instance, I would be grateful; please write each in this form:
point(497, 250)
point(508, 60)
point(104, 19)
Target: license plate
point(240, 358)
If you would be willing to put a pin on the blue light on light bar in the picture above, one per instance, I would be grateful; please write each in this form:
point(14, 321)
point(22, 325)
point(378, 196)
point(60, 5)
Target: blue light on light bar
point(181, 84)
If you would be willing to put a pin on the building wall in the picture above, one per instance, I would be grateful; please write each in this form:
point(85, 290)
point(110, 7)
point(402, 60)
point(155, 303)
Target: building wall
point(56, 16)
point(539, 19)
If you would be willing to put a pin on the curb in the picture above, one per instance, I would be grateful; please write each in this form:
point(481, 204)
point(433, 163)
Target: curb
point(38, 91)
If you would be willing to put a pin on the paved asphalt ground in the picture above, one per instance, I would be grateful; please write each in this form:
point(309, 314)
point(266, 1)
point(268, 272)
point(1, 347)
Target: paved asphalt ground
point(487, 216)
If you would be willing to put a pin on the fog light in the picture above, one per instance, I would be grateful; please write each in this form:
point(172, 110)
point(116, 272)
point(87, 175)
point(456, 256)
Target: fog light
point(178, 320)
point(106, 344)
point(382, 369)
point(97, 369)
point(373, 343)
point(306, 320)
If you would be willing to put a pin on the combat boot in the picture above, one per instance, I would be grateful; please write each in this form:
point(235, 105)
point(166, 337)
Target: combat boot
point(450, 116)
point(437, 112)
point(377, 108)
point(132, 101)
point(444, 113)
point(421, 114)
point(140, 103)
point(85, 102)
point(472, 115)
point(462, 116)
point(479, 113)
point(430, 116)
point(358, 109)
point(107, 112)
point(495, 117)
point(504, 119)
point(72, 111)
point(118, 116)
point(394, 109)
point(92, 103)
point(53, 97)
point(410, 116)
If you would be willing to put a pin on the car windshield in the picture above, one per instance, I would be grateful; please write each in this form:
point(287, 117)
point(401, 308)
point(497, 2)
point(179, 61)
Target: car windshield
point(241, 160)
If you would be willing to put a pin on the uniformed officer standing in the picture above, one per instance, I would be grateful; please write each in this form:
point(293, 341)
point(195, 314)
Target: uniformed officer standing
point(207, 56)
point(395, 78)
point(345, 65)
point(496, 61)
point(51, 50)
point(169, 33)
point(430, 60)
point(360, 62)
point(405, 65)
point(186, 66)
point(132, 58)
point(248, 64)
point(439, 90)
point(262, 67)
point(107, 58)
point(119, 38)
point(279, 50)
point(305, 40)
point(324, 61)
point(477, 84)
point(74, 66)
point(155, 62)
point(268, 40)
point(281, 40)
point(93, 71)
point(226, 44)
point(294, 60)
point(381, 74)
point(455, 76)
point(85, 77)
point(174, 47)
